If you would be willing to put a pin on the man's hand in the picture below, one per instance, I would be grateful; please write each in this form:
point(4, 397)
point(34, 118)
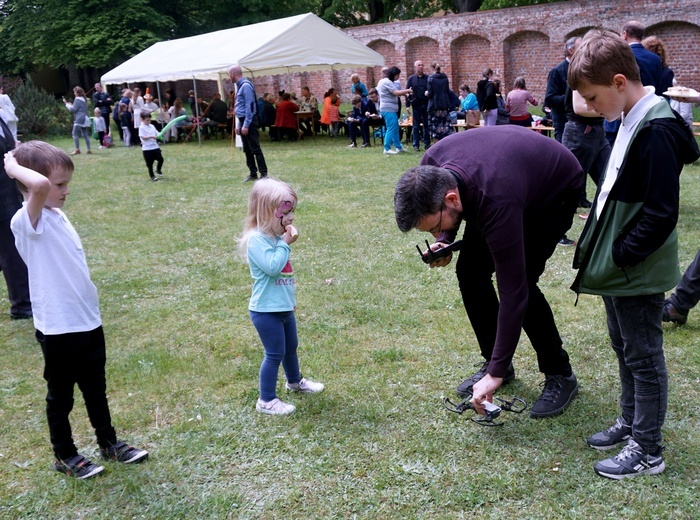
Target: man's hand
point(442, 262)
point(483, 391)
point(244, 130)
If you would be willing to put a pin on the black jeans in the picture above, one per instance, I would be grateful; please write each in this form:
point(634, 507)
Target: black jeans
point(252, 150)
point(151, 156)
point(475, 267)
point(77, 357)
point(420, 117)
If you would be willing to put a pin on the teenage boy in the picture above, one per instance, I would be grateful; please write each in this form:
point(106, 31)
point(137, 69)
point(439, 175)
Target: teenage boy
point(64, 301)
point(628, 251)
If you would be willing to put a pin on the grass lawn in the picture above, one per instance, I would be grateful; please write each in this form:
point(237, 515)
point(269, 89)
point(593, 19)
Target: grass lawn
point(387, 336)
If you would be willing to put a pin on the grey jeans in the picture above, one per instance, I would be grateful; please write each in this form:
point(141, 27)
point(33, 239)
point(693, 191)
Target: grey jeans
point(634, 324)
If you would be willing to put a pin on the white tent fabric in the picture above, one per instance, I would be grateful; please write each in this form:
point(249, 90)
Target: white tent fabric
point(296, 44)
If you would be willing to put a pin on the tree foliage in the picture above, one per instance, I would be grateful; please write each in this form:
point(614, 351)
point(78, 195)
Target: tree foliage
point(104, 33)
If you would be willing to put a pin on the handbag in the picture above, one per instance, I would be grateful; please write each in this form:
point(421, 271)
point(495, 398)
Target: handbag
point(473, 118)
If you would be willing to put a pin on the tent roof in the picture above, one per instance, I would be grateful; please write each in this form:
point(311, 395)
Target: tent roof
point(295, 44)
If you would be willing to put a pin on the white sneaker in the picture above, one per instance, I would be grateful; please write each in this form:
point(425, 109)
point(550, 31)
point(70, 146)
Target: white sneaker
point(101, 147)
point(274, 407)
point(390, 152)
point(306, 386)
point(402, 150)
point(352, 145)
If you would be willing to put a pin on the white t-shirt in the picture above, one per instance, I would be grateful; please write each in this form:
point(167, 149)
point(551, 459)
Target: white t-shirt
point(64, 299)
point(148, 131)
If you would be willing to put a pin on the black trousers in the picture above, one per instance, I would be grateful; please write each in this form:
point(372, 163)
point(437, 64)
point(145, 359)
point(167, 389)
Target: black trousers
point(252, 150)
point(475, 269)
point(151, 156)
point(15, 272)
point(77, 357)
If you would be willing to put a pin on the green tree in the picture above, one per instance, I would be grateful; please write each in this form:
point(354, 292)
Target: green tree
point(81, 33)
point(349, 13)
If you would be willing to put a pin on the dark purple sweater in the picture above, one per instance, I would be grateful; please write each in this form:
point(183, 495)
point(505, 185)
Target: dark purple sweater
point(507, 171)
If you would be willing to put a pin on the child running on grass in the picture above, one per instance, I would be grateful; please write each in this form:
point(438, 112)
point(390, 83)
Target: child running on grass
point(149, 146)
point(265, 242)
point(64, 301)
point(100, 127)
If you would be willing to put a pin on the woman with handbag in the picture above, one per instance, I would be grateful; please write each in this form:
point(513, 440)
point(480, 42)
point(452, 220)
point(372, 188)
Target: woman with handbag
point(81, 121)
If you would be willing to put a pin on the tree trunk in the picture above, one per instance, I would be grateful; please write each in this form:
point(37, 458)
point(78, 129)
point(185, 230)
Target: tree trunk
point(467, 6)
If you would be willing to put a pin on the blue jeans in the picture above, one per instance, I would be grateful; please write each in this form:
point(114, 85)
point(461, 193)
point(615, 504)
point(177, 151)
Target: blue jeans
point(81, 131)
point(391, 120)
point(420, 117)
point(634, 324)
point(278, 333)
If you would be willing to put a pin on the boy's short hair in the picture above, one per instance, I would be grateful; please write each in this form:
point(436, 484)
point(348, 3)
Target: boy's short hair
point(599, 56)
point(41, 157)
point(145, 115)
point(356, 99)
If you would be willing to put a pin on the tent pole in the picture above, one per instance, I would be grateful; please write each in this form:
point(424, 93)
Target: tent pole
point(196, 109)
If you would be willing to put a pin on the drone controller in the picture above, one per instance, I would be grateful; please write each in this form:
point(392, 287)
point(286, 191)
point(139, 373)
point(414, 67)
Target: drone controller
point(430, 256)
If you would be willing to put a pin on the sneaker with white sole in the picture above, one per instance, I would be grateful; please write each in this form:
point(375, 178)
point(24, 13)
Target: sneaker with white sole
point(274, 407)
point(402, 150)
point(390, 152)
point(78, 467)
point(305, 386)
point(633, 460)
point(618, 433)
point(122, 452)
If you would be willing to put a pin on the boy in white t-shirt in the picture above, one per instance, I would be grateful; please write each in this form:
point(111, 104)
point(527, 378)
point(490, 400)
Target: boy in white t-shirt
point(149, 146)
point(65, 306)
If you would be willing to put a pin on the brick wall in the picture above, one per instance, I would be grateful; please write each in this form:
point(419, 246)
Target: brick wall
point(521, 41)
point(529, 41)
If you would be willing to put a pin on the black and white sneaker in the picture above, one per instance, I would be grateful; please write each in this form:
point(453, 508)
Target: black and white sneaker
point(556, 395)
point(122, 452)
point(633, 460)
point(465, 387)
point(78, 466)
point(618, 433)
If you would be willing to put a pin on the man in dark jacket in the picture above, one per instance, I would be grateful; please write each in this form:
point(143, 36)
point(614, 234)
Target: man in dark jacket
point(555, 95)
point(12, 265)
point(419, 105)
point(516, 202)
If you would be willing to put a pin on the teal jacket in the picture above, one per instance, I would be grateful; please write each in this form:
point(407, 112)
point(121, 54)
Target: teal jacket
point(632, 250)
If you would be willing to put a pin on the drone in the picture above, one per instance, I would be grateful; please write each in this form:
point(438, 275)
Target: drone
point(515, 405)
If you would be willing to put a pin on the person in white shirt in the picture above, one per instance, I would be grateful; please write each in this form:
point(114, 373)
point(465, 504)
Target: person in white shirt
point(149, 146)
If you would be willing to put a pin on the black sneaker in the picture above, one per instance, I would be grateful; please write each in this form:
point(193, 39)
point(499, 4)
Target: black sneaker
point(633, 460)
point(122, 452)
point(78, 467)
point(618, 433)
point(671, 313)
point(250, 178)
point(566, 241)
point(585, 203)
point(465, 387)
point(557, 394)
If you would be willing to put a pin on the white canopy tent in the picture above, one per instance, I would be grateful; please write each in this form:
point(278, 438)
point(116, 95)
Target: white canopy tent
point(302, 43)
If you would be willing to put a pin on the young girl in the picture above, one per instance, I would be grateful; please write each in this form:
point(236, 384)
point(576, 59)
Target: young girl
point(149, 146)
point(125, 121)
point(265, 244)
point(100, 127)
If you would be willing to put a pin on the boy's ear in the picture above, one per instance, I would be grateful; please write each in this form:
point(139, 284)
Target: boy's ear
point(619, 81)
